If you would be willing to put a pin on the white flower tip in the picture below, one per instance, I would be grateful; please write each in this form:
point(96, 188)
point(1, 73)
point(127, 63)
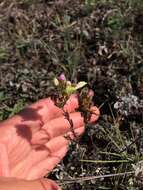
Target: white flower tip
point(56, 82)
point(80, 85)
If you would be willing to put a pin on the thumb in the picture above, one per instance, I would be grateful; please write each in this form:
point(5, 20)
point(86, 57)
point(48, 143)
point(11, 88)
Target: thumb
point(20, 184)
point(48, 184)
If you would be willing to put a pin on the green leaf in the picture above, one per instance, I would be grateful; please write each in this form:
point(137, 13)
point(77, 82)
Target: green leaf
point(17, 108)
point(70, 90)
point(3, 96)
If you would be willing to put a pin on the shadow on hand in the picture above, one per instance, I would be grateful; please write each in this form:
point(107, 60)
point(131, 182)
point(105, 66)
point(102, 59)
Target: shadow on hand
point(28, 114)
point(24, 131)
point(31, 114)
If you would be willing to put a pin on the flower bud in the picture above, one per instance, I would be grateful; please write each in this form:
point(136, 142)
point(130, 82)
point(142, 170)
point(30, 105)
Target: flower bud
point(56, 82)
point(62, 77)
point(90, 93)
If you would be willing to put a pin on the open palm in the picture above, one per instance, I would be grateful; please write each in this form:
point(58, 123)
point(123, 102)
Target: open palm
point(33, 142)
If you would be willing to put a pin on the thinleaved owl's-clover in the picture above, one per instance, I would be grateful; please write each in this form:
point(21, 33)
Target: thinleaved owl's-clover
point(67, 87)
point(64, 89)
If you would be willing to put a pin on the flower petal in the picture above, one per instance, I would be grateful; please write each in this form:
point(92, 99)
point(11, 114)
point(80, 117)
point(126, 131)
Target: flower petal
point(62, 77)
point(80, 85)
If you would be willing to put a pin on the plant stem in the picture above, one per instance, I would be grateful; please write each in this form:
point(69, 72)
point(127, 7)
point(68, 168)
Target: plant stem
point(79, 180)
point(105, 161)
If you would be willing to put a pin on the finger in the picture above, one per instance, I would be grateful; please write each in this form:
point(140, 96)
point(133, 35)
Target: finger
point(56, 149)
point(95, 114)
point(19, 184)
point(72, 104)
point(48, 164)
point(60, 126)
point(41, 184)
point(56, 143)
point(57, 127)
point(47, 110)
point(41, 112)
point(49, 184)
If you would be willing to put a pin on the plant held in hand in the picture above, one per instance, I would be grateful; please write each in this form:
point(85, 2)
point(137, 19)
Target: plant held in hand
point(63, 89)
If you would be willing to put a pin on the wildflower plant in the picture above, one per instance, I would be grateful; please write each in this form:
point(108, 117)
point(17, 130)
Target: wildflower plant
point(63, 89)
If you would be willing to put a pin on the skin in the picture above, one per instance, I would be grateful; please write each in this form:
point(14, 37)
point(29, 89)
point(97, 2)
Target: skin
point(33, 142)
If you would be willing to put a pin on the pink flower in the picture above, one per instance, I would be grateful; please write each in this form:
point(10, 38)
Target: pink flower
point(91, 93)
point(62, 77)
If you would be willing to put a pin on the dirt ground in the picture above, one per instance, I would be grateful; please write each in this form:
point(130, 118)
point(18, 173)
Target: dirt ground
point(100, 42)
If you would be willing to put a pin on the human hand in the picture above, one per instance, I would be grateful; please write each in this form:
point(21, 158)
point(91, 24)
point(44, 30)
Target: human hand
point(33, 142)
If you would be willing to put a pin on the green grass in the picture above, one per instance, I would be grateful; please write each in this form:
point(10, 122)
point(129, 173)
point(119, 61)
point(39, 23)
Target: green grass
point(6, 111)
point(3, 54)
